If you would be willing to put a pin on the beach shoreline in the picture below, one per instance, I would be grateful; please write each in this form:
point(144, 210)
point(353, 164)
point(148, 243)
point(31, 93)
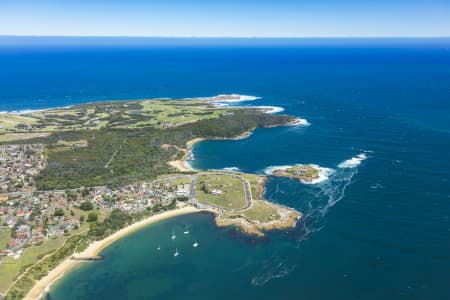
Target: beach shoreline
point(92, 251)
point(183, 165)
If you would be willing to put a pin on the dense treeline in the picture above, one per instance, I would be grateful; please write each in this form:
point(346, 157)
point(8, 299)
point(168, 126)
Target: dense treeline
point(121, 156)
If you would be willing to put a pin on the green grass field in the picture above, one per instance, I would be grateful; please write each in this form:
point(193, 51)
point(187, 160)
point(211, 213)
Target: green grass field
point(261, 211)
point(5, 237)
point(233, 191)
point(116, 114)
point(10, 267)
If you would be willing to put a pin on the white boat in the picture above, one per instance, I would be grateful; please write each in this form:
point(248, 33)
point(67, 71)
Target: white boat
point(186, 232)
point(176, 252)
point(173, 236)
point(159, 248)
point(195, 245)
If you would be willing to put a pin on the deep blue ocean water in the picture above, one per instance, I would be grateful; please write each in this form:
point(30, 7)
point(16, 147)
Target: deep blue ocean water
point(380, 230)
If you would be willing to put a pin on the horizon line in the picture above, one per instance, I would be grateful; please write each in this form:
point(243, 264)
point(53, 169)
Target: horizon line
point(225, 37)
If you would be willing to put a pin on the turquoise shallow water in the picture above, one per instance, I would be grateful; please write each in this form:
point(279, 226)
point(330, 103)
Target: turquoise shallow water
point(380, 230)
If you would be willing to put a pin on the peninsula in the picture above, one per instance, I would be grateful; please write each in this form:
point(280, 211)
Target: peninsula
point(74, 180)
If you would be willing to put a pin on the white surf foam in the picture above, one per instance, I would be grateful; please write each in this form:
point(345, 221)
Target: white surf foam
point(301, 122)
point(269, 170)
point(270, 109)
point(234, 98)
point(29, 111)
point(232, 169)
point(353, 162)
point(324, 173)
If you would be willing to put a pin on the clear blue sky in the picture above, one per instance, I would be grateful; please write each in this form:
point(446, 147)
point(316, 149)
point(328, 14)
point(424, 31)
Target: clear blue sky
point(236, 18)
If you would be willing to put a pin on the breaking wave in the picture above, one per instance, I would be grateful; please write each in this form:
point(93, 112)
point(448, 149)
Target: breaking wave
point(29, 111)
point(232, 169)
point(235, 98)
point(323, 196)
point(301, 122)
point(269, 170)
point(324, 173)
point(315, 200)
point(353, 162)
point(270, 109)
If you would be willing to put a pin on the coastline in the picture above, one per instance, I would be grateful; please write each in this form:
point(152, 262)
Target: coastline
point(288, 219)
point(183, 164)
point(93, 250)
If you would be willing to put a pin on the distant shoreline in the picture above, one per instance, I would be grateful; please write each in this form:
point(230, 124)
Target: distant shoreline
point(93, 250)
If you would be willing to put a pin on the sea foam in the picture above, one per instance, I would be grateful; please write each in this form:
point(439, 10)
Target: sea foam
point(353, 162)
point(232, 169)
point(324, 175)
point(29, 111)
point(236, 98)
point(301, 122)
point(270, 109)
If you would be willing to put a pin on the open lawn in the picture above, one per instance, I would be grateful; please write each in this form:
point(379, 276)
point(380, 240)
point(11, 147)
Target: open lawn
point(179, 181)
point(5, 237)
point(10, 267)
point(260, 211)
point(233, 196)
point(116, 114)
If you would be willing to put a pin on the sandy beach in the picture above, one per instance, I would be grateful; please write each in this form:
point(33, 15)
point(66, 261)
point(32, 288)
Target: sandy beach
point(182, 164)
point(95, 248)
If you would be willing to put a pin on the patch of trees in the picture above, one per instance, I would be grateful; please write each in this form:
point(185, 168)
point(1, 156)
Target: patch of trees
point(92, 217)
point(136, 154)
point(86, 206)
point(58, 212)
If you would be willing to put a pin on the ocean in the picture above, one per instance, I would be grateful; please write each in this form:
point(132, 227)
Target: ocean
point(377, 228)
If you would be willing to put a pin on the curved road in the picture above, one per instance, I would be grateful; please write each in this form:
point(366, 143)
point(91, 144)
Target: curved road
point(245, 183)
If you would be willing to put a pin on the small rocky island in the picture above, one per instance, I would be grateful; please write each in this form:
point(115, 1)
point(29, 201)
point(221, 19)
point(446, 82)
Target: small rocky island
point(306, 173)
